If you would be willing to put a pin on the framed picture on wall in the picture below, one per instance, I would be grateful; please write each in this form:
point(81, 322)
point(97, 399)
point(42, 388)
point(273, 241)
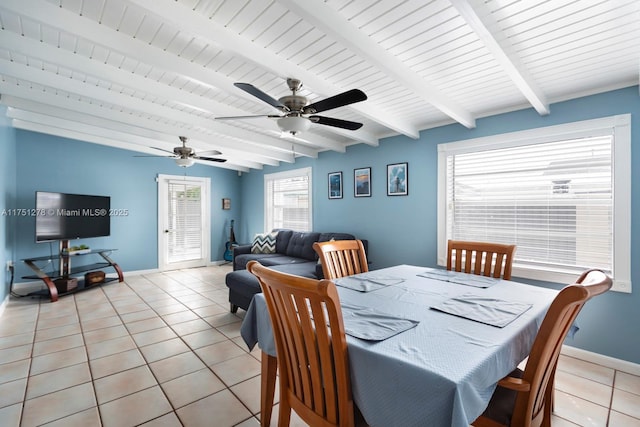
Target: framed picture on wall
point(335, 185)
point(362, 182)
point(226, 204)
point(398, 179)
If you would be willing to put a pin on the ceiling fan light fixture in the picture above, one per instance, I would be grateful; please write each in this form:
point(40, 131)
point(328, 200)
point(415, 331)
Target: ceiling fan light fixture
point(185, 162)
point(294, 124)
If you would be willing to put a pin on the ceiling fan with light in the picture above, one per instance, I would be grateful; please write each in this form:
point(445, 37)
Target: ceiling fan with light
point(297, 114)
point(186, 156)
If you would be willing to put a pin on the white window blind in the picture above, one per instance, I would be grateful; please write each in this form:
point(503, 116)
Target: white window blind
point(184, 222)
point(551, 192)
point(288, 200)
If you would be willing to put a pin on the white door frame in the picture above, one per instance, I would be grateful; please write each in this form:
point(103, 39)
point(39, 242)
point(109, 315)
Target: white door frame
point(163, 190)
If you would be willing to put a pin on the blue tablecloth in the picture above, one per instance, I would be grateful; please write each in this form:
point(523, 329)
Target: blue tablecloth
point(441, 372)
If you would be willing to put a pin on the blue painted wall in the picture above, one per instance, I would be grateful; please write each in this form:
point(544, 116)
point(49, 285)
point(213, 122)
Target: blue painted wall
point(403, 229)
point(400, 229)
point(49, 163)
point(7, 200)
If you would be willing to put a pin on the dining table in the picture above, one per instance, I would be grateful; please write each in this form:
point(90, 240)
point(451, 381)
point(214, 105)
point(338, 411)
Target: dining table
point(426, 346)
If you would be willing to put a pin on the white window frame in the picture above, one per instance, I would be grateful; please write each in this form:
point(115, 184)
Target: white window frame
point(268, 222)
point(617, 126)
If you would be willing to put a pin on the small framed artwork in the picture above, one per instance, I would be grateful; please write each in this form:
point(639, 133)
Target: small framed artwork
point(226, 204)
point(398, 179)
point(335, 185)
point(362, 182)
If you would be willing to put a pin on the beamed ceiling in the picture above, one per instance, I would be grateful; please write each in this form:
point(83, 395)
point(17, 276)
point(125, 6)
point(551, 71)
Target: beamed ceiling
point(136, 74)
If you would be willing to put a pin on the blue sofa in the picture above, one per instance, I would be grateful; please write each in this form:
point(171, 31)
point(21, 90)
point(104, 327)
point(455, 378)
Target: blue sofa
point(293, 254)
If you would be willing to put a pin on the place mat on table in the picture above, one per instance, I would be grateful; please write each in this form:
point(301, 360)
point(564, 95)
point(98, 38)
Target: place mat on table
point(373, 325)
point(483, 309)
point(460, 278)
point(366, 282)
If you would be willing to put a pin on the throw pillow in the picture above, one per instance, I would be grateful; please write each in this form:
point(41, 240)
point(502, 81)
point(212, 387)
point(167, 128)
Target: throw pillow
point(264, 243)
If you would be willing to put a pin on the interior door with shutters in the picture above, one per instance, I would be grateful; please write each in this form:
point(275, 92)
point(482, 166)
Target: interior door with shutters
point(184, 222)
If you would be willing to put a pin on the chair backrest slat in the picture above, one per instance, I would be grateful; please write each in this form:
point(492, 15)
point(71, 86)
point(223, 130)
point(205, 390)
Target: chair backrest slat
point(482, 258)
point(341, 258)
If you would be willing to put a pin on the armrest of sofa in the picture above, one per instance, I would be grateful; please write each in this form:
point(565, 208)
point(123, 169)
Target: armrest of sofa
point(240, 250)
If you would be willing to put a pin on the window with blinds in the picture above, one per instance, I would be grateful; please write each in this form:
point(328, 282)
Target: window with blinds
point(552, 196)
point(288, 200)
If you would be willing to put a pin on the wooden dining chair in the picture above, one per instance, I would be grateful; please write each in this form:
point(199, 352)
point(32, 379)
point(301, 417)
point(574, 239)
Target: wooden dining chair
point(524, 398)
point(482, 258)
point(341, 258)
point(311, 348)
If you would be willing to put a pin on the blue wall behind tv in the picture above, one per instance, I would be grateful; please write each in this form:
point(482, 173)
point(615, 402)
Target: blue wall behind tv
point(403, 229)
point(50, 163)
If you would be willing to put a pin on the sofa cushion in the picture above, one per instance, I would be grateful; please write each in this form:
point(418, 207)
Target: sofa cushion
point(304, 269)
point(301, 245)
point(282, 240)
point(268, 259)
point(264, 243)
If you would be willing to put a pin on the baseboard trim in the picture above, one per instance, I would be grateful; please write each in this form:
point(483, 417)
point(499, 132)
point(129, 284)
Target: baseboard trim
point(600, 359)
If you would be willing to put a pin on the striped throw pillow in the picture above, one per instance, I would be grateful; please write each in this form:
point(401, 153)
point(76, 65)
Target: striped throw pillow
point(264, 243)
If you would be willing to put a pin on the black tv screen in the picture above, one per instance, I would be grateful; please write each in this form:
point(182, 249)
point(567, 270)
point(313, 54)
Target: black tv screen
point(63, 216)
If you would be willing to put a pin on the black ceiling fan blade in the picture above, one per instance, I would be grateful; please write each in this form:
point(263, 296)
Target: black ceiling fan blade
point(338, 123)
point(339, 100)
point(252, 90)
point(210, 159)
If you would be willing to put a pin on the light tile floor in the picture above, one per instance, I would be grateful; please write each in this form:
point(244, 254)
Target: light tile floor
point(163, 350)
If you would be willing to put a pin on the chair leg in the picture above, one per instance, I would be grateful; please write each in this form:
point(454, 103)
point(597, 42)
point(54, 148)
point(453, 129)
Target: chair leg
point(269, 368)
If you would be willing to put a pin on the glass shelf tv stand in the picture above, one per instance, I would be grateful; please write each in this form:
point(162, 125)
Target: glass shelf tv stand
point(65, 271)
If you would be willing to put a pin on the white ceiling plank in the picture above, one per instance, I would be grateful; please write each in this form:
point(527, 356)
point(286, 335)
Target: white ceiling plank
point(210, 30)
point(330, 22)
point(479, 18)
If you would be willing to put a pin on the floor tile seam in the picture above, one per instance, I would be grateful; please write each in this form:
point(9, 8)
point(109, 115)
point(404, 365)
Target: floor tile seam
point(58, 390)
point(622, 413)
point(253, 414)
point(584, 398)
point(622, 389)
point(583, 376)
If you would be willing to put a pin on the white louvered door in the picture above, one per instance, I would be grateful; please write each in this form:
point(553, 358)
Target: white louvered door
point(184, 222)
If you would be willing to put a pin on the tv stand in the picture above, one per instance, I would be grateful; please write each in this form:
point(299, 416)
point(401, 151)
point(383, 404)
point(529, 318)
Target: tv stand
point(66, 272)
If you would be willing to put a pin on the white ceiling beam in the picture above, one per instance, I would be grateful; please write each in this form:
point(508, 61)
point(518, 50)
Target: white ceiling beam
point(105, 95)
point(132, 142)
point(479, 18)
point(66, 133)
point(23, 97)
point(150, 137)
point(339, 28)
point(53, 16)
point(219, 35)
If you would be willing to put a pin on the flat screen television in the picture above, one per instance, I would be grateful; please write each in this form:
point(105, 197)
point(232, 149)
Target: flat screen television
point(61, 216)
